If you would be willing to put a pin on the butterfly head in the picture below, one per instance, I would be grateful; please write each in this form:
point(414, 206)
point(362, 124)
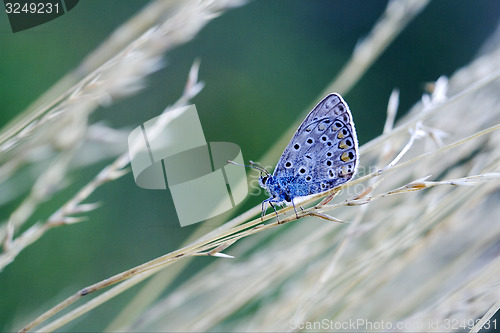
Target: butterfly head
point(263, 180)
point(264, 174)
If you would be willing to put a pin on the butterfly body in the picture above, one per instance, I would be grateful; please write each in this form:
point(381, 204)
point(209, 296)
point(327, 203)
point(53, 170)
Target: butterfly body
point(322, 154)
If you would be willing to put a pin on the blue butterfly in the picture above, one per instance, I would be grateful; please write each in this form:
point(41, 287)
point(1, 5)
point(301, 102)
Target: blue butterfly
point(322, 154)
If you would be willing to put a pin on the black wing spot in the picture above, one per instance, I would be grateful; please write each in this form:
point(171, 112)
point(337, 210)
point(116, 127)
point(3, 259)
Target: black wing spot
point(302, 170)
point(347, 156)
point(310, 141)
point(345, 144)
point(329, 163)
point(288, 164)
point(296, 146)
point(336, 126)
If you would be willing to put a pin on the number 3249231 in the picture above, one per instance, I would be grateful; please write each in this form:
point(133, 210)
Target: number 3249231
point(32, 8)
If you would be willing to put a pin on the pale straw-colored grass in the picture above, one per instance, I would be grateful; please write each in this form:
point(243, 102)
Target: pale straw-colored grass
point(57, 129)
point(419, 246)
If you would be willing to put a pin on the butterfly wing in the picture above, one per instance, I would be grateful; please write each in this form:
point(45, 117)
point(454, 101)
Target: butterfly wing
point(323, 153)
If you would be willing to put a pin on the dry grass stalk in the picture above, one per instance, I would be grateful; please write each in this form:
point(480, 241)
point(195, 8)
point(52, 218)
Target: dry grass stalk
point(394, 242)
point(347, 272)
point(59, 128)
point(417, 259)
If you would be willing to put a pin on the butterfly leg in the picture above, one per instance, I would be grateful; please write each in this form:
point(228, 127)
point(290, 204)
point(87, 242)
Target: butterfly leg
point(297, 215)
point(264, 208)
point(277, 216)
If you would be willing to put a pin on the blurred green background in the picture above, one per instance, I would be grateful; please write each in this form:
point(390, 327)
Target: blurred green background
point(263, 64)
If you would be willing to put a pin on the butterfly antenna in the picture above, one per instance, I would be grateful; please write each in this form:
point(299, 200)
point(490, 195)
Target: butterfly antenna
point(258, 167)
point(252, 165)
